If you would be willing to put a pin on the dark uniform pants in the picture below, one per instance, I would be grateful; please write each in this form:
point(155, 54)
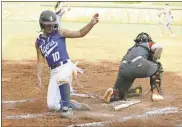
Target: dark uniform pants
point(138, 67)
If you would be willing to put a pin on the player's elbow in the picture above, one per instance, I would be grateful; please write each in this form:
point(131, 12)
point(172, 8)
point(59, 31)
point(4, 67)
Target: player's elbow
point(81, 34)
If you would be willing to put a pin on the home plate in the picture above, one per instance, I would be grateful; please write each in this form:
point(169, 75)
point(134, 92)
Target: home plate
point(118, 105)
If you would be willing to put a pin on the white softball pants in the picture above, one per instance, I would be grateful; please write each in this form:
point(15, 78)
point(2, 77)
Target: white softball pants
point(58, 76)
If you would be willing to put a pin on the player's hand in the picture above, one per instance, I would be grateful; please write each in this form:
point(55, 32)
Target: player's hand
point(95, 19)
point(40, 83)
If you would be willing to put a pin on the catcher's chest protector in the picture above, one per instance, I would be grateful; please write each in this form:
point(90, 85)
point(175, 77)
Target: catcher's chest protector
point(139, 50)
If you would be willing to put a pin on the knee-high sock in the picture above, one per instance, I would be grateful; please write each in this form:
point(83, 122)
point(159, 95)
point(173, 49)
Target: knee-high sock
point(65, 94)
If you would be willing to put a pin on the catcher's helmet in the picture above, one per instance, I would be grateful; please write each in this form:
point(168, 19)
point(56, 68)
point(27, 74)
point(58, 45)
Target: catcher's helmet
point(47, 18)
point(143, 37)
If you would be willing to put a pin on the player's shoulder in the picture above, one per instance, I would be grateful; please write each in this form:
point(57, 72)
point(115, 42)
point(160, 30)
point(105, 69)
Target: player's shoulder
point(61, 32)
point(39, 38)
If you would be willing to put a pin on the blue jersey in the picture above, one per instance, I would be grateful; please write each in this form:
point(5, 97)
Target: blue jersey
point(53, 48)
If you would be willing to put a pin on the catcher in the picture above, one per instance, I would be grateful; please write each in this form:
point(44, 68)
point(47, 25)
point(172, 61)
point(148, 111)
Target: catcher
point(140, 61)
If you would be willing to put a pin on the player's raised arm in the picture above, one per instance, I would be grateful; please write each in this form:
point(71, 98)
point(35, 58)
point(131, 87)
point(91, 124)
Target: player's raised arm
point(82, 32)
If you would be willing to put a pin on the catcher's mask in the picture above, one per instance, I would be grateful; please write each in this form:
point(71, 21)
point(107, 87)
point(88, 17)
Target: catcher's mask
point(143, 37)
point(47, 18)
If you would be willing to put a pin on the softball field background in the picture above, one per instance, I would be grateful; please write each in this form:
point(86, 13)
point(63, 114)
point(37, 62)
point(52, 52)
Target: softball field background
point(99, 53)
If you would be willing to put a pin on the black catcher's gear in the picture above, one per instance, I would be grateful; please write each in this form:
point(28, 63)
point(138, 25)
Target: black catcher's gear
point(143, 37)
point(156, 79)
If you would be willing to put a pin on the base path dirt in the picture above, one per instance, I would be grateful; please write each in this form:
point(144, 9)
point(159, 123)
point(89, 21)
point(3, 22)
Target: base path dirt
point(19, 83)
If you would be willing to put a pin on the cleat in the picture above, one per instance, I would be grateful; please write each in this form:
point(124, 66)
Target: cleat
point(79, 106)
point(112, 95)
point(157, 97)
point(107, 95)
point(66, 112)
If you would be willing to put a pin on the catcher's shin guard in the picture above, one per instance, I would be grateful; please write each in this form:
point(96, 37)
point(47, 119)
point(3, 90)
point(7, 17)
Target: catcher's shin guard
point(156, 82)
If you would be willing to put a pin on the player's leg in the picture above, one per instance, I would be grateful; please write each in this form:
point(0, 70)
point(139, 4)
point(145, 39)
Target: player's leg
point(156, 82)
point(53, 95)
point(152, 70)
point(160, 24)
point(122, 86)
point(64, 76)
point(168, 25)
point(143, 68)
point(65, 87)
point(162, 30)
point(123, 83)
point(170, 29)
point(65, 100)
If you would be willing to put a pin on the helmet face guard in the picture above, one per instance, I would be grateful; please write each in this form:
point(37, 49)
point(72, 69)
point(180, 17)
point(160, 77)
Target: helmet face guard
point(143, 37)
point(49, 23)
point(43, 24)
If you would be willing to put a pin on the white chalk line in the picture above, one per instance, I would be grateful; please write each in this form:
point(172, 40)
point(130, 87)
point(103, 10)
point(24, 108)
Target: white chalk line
point(156, 111)
point(34, 99)
point(19, 101)
point(29, 116)
point(159, 111)
point(101, 114)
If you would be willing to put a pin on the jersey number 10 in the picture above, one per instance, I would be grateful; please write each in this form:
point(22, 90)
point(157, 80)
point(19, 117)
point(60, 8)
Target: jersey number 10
point(56, 56)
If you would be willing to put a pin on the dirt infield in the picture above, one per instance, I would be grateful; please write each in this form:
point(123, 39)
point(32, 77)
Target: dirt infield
point(96, 79)
point(99, 53)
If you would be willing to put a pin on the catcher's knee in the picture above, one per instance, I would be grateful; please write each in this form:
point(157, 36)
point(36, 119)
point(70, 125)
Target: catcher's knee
point(156, 79)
